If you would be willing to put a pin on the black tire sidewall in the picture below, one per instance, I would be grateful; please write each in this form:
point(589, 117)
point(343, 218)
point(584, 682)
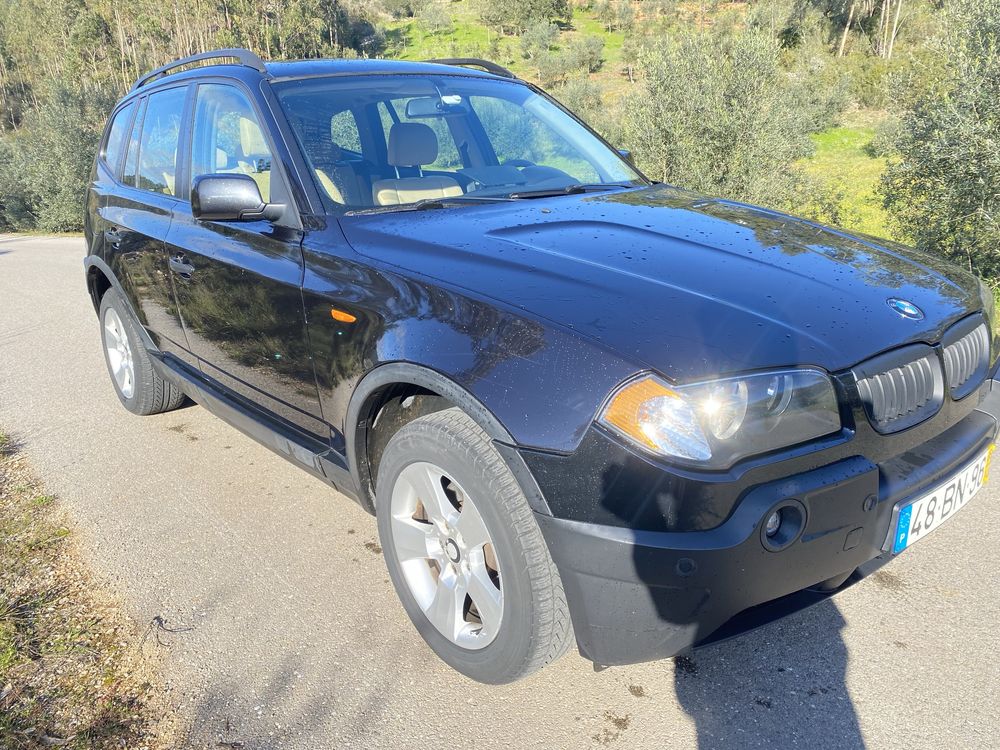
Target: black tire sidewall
point(501, 660)
point(140, 360)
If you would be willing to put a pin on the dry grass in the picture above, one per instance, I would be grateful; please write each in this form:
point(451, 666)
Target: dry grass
point(74, 670)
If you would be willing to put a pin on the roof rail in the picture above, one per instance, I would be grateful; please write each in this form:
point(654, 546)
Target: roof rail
point(475, 62)
point(243, 56)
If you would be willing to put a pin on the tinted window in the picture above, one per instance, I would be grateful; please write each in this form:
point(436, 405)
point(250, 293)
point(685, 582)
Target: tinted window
point(132, 157)
point(228, 138)
point(115, 144)
point(451, 136)
point(447, 157)
point(161, 128)
point(518, 135)
point(344, 131)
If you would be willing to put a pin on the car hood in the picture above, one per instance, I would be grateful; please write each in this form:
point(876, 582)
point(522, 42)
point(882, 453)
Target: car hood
point(692, 287)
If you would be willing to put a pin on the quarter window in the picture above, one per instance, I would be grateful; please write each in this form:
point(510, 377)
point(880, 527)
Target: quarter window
point(228, 138)
point(131, 170)
point(117, 133)
point(161, 129)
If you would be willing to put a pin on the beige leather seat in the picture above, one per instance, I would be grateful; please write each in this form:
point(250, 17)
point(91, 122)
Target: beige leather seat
point(413, 144)
point(254, 159)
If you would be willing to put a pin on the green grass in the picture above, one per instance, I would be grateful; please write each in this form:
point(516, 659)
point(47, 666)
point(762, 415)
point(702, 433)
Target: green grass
point(73, 672)
point(843, 164)
point(410, 39)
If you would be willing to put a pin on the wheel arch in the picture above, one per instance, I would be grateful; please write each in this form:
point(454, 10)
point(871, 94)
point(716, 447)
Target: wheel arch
point(100, 278)
point(397, 380)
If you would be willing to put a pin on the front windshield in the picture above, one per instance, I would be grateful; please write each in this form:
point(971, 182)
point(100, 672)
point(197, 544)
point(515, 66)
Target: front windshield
point(378, 141)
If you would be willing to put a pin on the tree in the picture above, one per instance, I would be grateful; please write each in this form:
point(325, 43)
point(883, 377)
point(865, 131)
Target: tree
point(718, 116)
point(944, 187)
point(538, 39)
point(514, 16)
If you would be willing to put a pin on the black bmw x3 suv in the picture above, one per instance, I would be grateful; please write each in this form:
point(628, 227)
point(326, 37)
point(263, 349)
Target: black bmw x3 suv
point(582, 405)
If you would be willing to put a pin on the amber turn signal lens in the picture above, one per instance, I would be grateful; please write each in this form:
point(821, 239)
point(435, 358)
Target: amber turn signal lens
point(623, 411)
point(343, 317)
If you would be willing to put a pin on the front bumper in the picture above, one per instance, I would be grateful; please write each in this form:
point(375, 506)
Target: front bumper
point(637, 595)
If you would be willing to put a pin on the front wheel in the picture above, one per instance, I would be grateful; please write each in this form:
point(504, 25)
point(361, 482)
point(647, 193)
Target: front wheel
point(465, 553)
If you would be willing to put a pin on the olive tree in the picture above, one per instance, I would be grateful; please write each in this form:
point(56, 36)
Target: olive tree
point(944, 185)
point(719, 115)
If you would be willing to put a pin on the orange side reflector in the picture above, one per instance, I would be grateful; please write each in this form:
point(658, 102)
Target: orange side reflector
point(343, 317)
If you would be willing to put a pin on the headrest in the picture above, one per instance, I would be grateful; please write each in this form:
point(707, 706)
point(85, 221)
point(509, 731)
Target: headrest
point(412, 144)
point(221, 159)
point(251, 139)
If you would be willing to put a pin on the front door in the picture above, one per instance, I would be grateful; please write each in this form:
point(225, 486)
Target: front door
point(239, 283)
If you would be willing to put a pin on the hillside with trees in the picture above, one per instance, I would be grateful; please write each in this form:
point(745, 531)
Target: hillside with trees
point(880, 116)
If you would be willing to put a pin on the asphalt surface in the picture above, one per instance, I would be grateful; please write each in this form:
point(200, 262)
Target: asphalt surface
point(289, 634)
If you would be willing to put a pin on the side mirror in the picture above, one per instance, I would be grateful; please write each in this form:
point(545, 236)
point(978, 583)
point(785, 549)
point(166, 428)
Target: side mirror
point(230, 197)
point(626, 155)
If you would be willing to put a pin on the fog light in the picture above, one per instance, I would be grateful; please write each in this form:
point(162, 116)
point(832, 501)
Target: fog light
point(773, 523)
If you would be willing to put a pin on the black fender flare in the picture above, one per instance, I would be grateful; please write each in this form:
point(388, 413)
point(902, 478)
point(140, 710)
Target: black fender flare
point(92, 262)
point(408, 373)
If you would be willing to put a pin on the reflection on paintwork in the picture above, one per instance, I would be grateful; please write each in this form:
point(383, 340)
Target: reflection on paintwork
point(141, 222)
point(484, 348)
point(688, 286)
point(242, 309)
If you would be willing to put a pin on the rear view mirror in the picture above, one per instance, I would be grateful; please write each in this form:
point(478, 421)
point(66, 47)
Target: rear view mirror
point(433, 106)
point(230, 197)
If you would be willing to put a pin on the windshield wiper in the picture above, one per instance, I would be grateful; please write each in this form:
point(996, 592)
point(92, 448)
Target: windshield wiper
point(428, 203)
point(574, 189)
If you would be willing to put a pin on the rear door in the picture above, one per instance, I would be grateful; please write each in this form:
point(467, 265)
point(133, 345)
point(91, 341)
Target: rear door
point(239, 283)
point(138, 214)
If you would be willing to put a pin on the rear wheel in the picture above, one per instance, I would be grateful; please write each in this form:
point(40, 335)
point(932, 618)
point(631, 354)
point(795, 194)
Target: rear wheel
point(139, 386)
point(465, 553)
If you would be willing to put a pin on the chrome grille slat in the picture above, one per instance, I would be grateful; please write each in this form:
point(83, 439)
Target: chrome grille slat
point(903, 395)
point(903, 387)
point(966, 357)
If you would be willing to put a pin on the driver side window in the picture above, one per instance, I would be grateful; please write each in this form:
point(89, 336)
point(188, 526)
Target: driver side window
point(228, 138)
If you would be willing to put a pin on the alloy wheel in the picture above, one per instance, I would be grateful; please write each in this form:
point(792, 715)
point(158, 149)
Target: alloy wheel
point(447, 556)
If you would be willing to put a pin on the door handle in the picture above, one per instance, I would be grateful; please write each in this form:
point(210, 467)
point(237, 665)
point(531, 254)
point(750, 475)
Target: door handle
point(113, 238)
point(179, 265)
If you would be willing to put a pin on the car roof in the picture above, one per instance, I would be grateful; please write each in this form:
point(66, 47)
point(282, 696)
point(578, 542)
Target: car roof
point(306, 68)
point(253, 69)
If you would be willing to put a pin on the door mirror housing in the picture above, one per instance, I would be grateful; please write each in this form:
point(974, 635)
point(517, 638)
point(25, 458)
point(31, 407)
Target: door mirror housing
point(230, 197)
point(626, 155)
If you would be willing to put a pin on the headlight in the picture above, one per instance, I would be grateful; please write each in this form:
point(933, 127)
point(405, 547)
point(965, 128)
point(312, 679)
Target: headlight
point(718, 422)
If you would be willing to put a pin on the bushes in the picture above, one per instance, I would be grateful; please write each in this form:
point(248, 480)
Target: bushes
point(44, 167)
point(944, 186)
point(719, 116)
point(514, 16)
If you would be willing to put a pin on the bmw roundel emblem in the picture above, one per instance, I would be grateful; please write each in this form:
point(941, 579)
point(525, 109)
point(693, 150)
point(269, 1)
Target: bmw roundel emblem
point(905, 308)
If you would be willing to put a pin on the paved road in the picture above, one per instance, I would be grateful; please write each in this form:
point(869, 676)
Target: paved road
point(296, 638)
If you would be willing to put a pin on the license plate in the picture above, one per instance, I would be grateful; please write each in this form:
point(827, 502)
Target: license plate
point(920, 517)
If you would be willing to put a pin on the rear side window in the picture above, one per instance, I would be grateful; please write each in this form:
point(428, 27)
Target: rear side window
point(344, 131)
point(228, 138)
point(117, 133)
point(161, 128)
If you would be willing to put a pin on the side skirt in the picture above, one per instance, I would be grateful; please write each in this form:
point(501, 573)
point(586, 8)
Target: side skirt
point(318, 459)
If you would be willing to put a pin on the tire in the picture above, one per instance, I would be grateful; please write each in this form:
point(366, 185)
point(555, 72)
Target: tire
point(140, 388)
point(531, 625)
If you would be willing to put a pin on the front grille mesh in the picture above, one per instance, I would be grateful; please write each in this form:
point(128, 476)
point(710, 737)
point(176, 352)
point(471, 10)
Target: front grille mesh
point(966, 357)
point(902, 396)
